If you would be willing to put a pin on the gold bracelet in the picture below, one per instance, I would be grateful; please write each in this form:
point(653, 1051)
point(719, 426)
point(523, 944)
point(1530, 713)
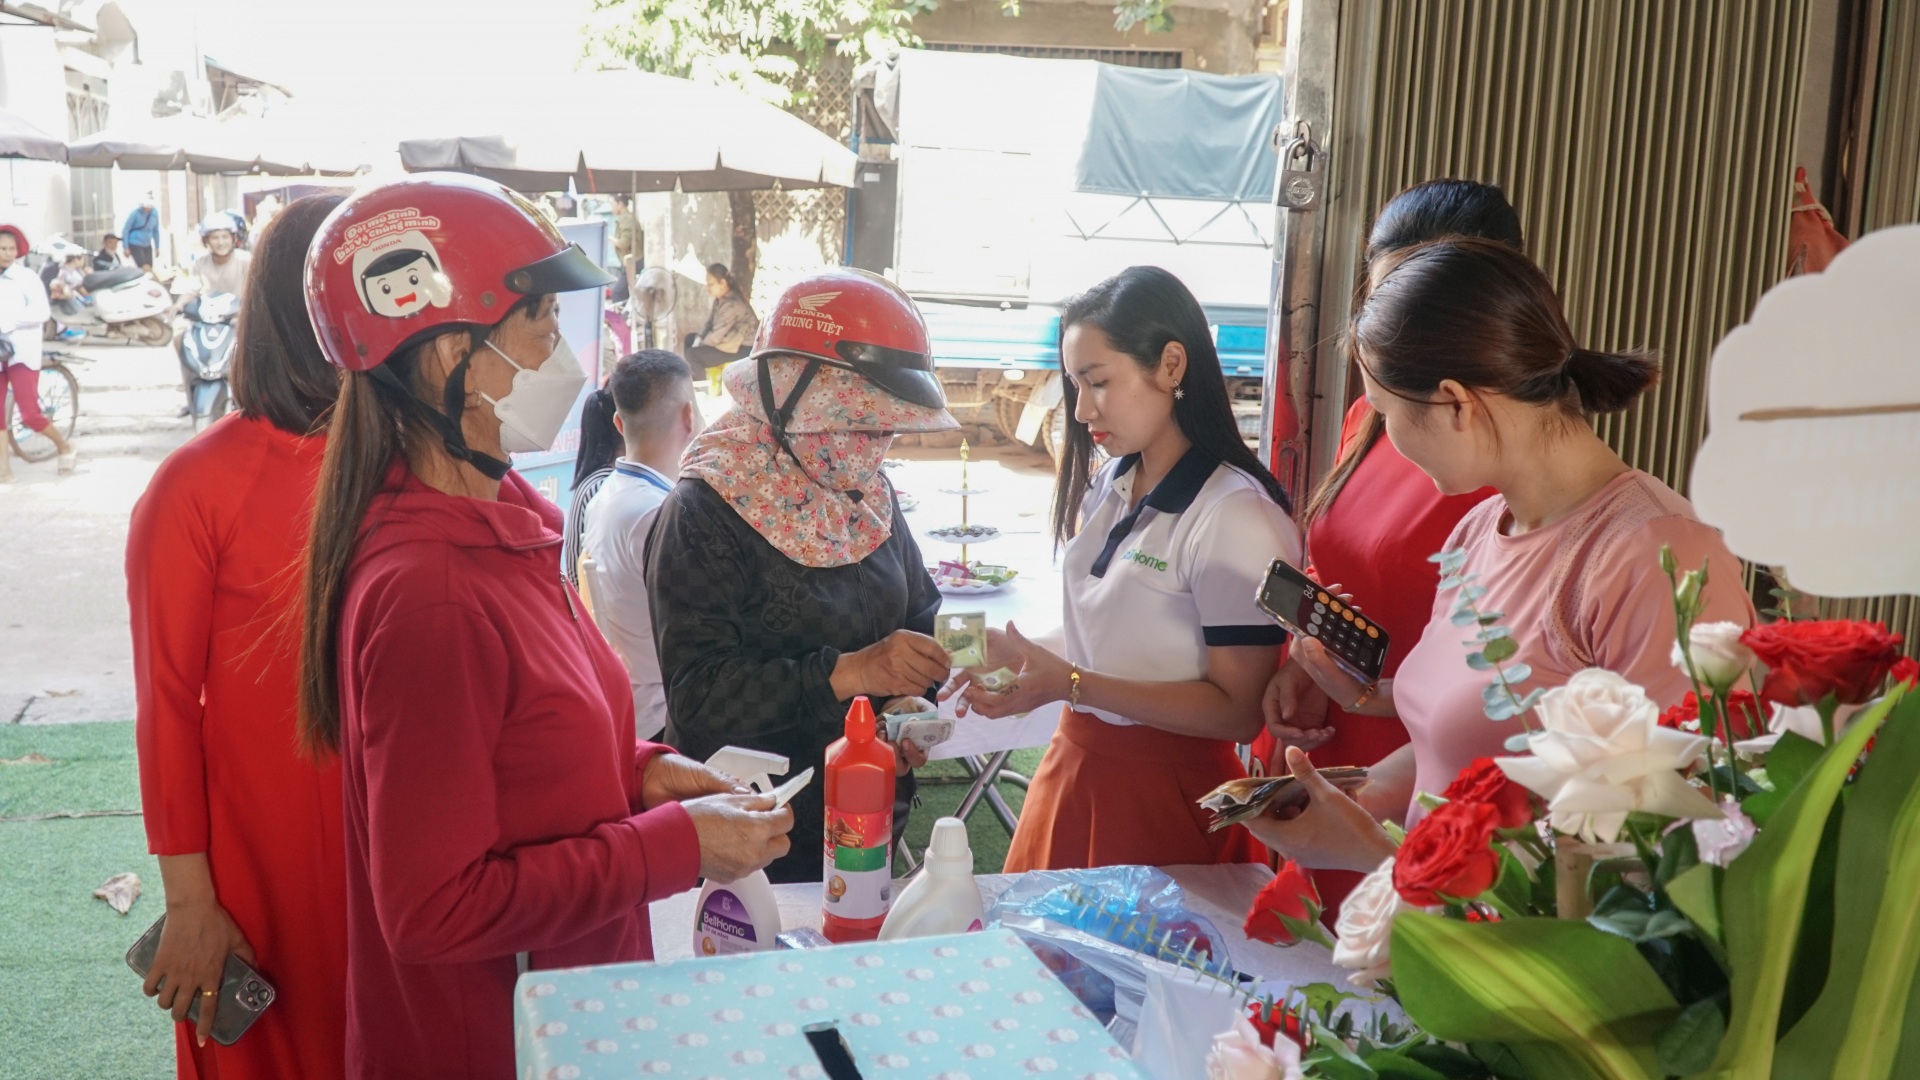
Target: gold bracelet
point(1366, 695)
point(1073, 686)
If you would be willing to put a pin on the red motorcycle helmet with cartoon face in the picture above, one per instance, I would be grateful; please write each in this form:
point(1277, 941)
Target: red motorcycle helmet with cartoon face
point(401, 261)
point(848, 318)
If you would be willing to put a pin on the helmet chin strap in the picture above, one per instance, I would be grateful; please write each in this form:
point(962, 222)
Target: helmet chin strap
point(453, 404)
point(778, 416)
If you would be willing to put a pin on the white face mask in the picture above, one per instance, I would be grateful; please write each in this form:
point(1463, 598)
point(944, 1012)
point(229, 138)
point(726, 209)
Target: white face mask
point(542, 398)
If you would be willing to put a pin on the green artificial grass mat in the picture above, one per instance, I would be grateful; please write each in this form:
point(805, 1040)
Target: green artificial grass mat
point(985, 834)
point(72, 1008)
point(91, 769)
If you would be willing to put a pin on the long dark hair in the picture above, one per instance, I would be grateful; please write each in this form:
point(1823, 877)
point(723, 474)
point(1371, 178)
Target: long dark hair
point(279, 373)
point(1426, 211)
point(720, 273)
point(1141, 310)
point(1482, 314)
point(600, 442)
point(374, 422)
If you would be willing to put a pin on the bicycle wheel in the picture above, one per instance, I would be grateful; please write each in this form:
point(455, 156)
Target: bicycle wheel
point(59, 402)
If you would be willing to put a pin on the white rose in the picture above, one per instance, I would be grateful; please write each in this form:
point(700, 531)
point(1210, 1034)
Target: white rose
point(1802, 720)
point(1365, 929)
point(1604, 755)
point(1718, 655)
point(1237, 1054)
point(1722, 841)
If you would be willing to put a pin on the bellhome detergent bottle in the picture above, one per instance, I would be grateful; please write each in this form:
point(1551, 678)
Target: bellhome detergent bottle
point(857, 871)
point(739, 916)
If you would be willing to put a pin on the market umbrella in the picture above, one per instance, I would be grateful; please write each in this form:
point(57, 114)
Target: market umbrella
point(242, 145)
point(19, 139)
point(628, 131)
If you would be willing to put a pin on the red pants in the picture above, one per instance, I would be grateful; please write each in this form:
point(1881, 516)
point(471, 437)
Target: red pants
point(26, 395)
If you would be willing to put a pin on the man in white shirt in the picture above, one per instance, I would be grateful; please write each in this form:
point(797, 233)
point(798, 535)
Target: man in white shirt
point(655, 412)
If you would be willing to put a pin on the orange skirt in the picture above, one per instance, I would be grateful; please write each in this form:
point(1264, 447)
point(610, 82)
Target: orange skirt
point(1113, 795)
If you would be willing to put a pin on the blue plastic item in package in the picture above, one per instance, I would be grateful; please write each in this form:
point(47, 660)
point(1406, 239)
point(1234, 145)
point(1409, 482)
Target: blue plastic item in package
point(1091, 927)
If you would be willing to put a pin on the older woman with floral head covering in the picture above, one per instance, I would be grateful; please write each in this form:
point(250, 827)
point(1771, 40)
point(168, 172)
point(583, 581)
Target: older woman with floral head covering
point(783, 580)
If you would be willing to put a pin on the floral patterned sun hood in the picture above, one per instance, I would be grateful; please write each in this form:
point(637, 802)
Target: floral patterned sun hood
point(838, 509)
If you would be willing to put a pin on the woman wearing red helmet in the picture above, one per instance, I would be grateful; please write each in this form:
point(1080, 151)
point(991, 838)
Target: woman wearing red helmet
point(500, 815)
point(782, 580)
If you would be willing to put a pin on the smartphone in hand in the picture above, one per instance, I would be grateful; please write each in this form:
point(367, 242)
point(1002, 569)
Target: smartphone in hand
point(244, 992)
point(1304, 607)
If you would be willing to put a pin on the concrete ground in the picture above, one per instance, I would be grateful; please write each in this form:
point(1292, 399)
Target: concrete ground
point(63, 607)
point(65, 654)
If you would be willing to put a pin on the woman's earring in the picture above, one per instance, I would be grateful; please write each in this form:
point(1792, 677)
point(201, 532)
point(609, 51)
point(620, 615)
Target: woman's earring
point(1179, 393)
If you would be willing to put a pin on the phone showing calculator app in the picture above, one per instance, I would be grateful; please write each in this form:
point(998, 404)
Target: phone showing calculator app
point(1301, 605)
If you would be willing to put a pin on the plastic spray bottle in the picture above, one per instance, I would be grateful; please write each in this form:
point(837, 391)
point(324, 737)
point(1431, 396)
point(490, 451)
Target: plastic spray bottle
point(739, 916)
point(858, 864)
point(943, 899)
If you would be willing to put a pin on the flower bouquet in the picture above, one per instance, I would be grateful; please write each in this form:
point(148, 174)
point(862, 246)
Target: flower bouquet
point(1636, 894)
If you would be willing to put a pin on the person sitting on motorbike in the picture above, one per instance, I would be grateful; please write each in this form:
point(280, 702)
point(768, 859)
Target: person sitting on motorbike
point(110, 256)
point(223, 269)
point(70, 279)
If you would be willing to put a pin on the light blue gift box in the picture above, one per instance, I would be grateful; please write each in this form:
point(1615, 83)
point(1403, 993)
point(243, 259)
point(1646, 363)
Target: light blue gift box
point(966, 1007)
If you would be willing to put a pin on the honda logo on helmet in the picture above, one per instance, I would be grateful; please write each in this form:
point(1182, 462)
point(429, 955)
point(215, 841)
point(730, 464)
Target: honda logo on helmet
point(807, 314)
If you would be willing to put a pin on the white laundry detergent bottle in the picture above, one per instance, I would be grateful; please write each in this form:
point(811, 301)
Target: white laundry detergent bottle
point(739, 916)
point(943, 899)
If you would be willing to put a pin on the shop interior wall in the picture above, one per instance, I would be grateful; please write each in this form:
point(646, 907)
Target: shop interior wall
point(1649, 147)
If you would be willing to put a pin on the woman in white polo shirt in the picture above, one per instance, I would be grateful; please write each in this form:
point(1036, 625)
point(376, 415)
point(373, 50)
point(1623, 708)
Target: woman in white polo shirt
point(1166, 546)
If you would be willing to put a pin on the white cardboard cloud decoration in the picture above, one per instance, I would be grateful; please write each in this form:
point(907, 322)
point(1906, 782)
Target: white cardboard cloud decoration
point(1812, 458)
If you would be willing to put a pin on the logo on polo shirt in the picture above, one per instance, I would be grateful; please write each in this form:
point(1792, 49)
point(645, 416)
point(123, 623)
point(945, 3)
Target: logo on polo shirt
point(1135, 555)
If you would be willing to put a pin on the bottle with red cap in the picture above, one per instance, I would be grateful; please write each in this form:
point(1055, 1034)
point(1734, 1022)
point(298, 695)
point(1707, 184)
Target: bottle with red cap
point(858, 868)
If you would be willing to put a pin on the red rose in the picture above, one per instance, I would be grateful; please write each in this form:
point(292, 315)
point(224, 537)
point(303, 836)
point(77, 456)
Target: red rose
point(1806, 661)
point(1448, 855)
point(1286, 909)
point(1743, 711)
point(1483, 782)
point(1906, 669)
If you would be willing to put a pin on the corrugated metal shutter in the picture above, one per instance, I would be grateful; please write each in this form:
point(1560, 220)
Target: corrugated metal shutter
point(1892, 180)
point(1648, 146)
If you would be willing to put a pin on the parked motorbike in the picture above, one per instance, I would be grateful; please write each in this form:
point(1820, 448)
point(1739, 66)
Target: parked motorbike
point(122, 304)
point(204, 350)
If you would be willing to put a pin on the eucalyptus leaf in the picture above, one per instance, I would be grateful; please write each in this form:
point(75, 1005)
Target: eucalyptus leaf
point(1533, 698)
point(1501, 649)
point(1478, 661)
point(1463, 617)
point(1517, 673)
point(1496, 631)
point(1488, 618)
point(1518, 744)
point(1474, 592)
point(1501, 709)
